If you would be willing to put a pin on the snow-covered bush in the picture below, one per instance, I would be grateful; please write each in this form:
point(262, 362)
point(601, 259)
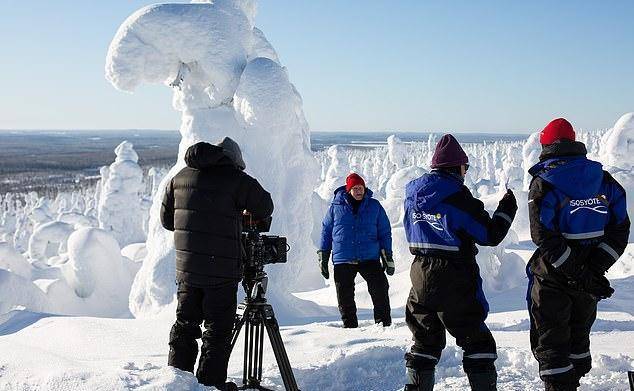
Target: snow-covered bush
point(96, 267)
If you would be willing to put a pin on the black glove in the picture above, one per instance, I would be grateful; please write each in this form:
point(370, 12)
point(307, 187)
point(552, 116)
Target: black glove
point(591, 282)
point(388, 262)
point(599, 286)
point(508, 204)
point(323, 258)
point(600, 261)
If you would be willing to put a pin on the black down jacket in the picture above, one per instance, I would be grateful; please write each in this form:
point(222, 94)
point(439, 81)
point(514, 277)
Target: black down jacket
point(203, 205)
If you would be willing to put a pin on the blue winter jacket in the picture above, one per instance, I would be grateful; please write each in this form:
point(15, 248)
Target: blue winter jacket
point(577, 211)
point(442, 218)
point(355, 237)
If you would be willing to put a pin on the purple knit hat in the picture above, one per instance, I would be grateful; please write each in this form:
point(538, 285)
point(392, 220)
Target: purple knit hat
point(448, 153)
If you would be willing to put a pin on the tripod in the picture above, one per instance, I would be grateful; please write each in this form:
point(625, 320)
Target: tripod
point(255, 314)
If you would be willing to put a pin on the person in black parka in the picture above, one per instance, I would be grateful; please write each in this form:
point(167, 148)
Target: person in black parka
point(579, 222)
point(443, 222)
point(203, 205)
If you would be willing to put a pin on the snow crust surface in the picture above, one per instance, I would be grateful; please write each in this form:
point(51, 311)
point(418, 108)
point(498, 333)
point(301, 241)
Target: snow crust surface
point(117, 354)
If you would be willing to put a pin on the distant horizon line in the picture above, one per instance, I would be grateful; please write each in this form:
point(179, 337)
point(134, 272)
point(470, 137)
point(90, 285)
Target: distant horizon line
point(505, 132)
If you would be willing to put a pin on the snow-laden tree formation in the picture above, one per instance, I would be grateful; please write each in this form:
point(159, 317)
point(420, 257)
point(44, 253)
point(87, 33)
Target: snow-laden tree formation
point(227, 81)
point(35, 232)
point(616, 150)
point(122, 186)
point(55, 259)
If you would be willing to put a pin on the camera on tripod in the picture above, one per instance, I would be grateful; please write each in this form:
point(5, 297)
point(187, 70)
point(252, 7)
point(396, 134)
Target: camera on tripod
point(259, 250)
point(254, 313)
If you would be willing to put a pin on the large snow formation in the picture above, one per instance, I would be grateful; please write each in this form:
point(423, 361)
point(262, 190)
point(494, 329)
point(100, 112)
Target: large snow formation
point(48, 240)
point(617, 144)
point(96, 266)
point(336, 173)
point(227, 81)
point(200, 48)
point(120, 211)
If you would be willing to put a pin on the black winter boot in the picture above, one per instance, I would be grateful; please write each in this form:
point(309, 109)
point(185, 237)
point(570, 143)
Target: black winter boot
point(350, 324)
point(559, 386)
point(420, 380)
point(385, 322)
point(483, 381)
point(228, 386)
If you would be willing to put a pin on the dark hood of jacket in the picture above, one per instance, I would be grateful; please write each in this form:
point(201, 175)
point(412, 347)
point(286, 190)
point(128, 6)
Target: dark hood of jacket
point(232, 149)
point(561, 149)
point(431, 189)
point(340, 194)
point(203, 155)
point(565, 167)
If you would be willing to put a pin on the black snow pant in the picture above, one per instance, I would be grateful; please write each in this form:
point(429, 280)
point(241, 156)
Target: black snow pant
point(447, 295)
point(372, 273)
point(561, 319)
point(216, 307)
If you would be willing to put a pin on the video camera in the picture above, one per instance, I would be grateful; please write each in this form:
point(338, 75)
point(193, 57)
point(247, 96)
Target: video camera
point(261, 249)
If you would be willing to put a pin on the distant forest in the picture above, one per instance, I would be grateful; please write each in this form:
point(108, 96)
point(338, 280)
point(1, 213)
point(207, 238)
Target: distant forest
point(53, 161)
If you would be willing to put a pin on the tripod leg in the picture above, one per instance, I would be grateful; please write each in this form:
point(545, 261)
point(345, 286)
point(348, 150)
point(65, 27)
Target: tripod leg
point(236, 332)
point(281, 357)
point(253, 357)
point(246, 361)
point(260, 349)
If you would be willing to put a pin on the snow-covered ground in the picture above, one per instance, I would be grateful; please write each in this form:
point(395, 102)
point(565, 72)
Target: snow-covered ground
point(87, 291)
point(83, 353)
point(56, 352)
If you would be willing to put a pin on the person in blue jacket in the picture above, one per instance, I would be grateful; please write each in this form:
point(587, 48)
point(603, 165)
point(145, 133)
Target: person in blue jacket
point(579, 222)
point(443, 222)
point(357, 231)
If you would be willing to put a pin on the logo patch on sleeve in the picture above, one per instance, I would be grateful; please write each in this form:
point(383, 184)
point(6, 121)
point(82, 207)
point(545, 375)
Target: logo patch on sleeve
point(432, 219)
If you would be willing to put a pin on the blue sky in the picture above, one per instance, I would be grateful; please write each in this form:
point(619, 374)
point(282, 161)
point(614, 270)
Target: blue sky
point(498, 66)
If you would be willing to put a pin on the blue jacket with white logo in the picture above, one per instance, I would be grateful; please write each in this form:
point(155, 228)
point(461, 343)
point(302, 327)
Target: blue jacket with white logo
point(443, 218)
point(577, 211)
point(355, 237)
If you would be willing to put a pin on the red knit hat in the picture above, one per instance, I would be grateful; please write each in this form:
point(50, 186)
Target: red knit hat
point(556, 130)
point(352, 180)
